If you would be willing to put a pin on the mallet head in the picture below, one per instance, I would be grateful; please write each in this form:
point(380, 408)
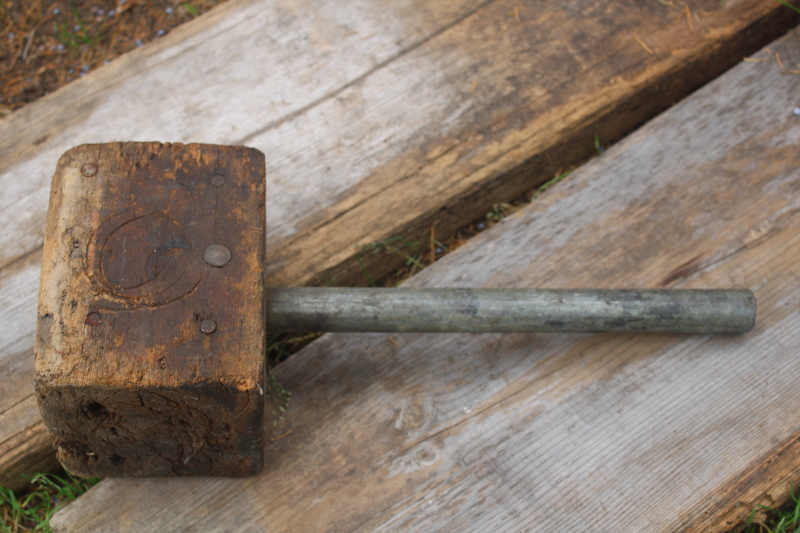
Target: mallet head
point(150, 340)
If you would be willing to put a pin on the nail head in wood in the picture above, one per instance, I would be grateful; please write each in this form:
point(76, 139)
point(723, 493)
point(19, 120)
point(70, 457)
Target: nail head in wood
point(218, 180)
point(93, 319)
point(217, 255)
point(89, 170)
point(208, 326)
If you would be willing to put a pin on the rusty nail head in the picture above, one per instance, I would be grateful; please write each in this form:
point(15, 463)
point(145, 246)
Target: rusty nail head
point(208, 326)
point(218, 180)
point(89, 170)
point(93, 319)
point(217, 255)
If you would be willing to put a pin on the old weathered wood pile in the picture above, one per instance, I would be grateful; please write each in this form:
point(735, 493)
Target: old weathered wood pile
point(382, 121)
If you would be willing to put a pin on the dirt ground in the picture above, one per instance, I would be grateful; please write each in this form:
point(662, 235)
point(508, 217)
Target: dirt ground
point(45, 44)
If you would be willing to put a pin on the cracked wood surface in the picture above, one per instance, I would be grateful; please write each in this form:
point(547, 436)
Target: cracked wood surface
point(605, 432)
point(377, 120)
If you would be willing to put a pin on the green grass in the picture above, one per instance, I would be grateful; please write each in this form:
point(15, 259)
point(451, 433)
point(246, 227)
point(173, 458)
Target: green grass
point(78, 37)
point(191, 9)
point(599, 148)
point(32, 510)
point(764, 519)
point(790, 6)
point(547, 184)
point(278, 396)
point(405, 248)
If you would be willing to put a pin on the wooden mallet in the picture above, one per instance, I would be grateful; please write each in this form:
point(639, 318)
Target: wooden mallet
point(153, 314)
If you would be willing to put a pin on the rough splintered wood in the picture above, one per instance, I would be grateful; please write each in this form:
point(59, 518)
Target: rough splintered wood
point(555, 432)
point(380, 119)
point(150, 348)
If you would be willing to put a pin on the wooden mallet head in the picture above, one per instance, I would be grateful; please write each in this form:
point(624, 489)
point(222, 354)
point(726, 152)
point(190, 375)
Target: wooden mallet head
point(150, 345)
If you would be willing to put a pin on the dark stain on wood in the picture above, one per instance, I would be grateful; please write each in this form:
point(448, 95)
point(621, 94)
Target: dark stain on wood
point(681, 271)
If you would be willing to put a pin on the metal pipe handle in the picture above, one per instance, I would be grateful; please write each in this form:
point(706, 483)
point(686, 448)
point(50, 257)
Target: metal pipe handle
point(510, 310)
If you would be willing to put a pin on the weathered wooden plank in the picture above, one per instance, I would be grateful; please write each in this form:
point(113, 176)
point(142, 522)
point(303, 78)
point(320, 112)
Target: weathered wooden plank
point(26, 446)
point(428, 111)
point(555, 432)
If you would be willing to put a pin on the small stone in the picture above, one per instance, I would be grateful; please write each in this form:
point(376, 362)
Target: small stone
point(796, 112)
point(139, 42)
point(161, 32)
point(480, 225)
point(168, 10)
point(111, 12)
point(439, 251)
point(56, 11)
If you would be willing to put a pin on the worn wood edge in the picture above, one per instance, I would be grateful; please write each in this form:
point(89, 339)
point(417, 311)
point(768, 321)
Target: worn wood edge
point(768, 482)
point(26, 453)
point(508, 182)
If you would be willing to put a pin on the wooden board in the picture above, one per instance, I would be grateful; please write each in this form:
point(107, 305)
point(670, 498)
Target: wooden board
point(376, 121)
point(605, 432)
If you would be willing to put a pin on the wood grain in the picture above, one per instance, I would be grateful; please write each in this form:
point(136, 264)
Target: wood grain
point(603, 432)
point(377, 120)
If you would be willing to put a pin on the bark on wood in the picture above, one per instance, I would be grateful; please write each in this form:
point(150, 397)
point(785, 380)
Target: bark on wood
point(556, 432)
point(378, 120)
point(127, 374)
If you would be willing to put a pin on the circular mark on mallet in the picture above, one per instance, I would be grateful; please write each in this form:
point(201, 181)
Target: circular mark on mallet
point(208, 326)
point(147, 259)
point(217, 255)
point(89, 170)
point(93, 319)
point(145, 256)
point(218, 180)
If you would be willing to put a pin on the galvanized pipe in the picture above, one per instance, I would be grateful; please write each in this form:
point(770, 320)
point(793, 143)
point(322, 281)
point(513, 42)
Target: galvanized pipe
point(510, 310)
